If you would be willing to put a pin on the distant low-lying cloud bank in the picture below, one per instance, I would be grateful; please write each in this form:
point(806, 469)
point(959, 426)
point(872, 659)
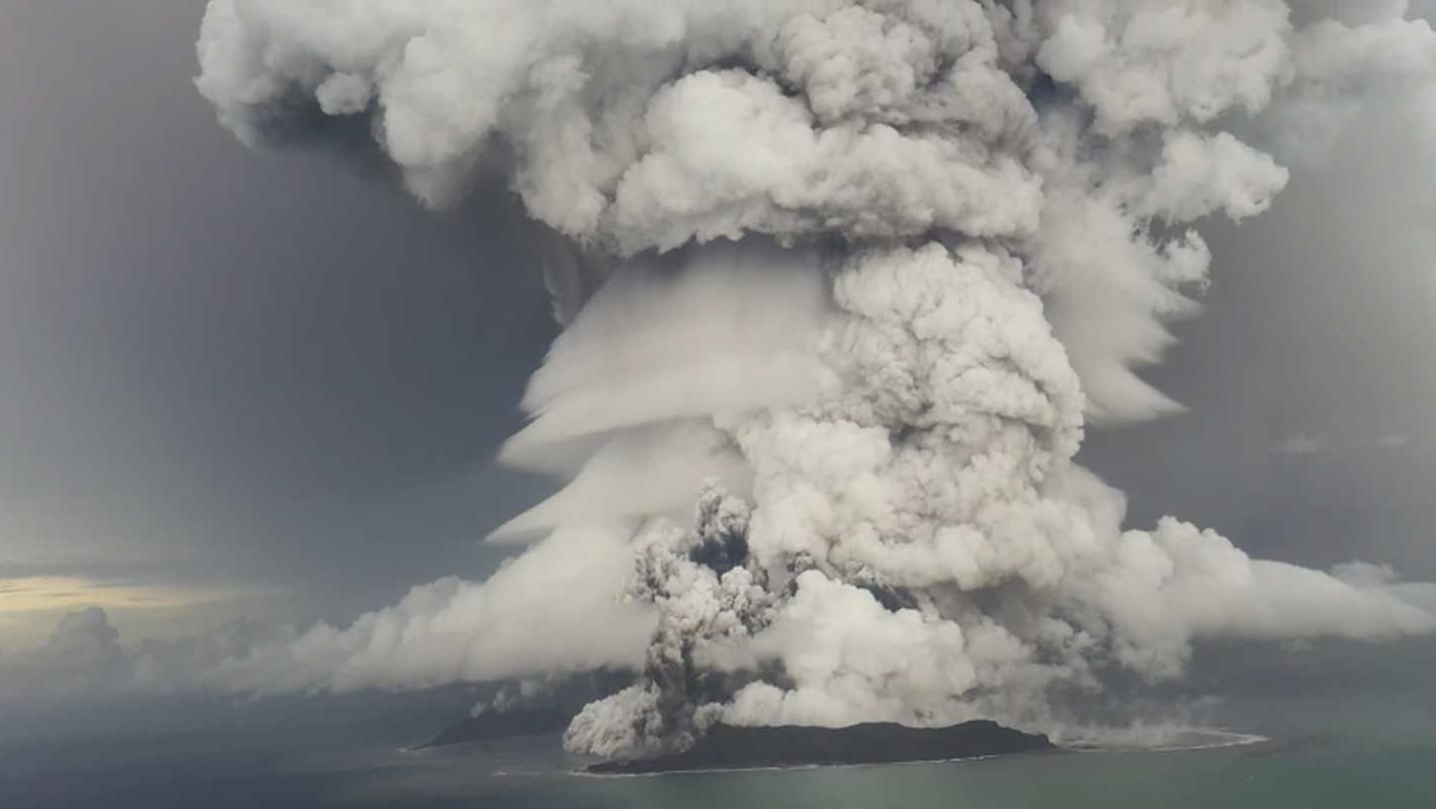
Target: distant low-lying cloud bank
point(506, 628)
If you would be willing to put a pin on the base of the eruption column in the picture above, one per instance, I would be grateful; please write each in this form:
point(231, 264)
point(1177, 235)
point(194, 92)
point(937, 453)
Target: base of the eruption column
point(728, 747)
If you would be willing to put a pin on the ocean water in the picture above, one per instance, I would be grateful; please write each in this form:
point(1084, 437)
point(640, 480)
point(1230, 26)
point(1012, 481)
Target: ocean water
point(1331, 769)
point(1308, 772)
point(1328, 744)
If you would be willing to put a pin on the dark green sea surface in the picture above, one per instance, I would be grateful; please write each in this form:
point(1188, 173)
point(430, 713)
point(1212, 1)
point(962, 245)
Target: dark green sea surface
point(1332, 742)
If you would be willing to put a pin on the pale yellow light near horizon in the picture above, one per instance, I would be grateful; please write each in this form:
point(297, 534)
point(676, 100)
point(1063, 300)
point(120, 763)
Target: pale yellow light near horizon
point(30, 606)
point(45, 593)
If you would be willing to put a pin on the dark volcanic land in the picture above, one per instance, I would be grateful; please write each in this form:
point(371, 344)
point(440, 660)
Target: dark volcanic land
point(523, 722)
point(729, 747)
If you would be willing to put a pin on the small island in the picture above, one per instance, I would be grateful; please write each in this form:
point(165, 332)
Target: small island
point(731, 747)
point(507, 725)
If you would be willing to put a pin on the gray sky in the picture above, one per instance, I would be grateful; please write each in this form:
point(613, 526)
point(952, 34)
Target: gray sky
point(1310, 378)
point(270, 384)
point(229, 369)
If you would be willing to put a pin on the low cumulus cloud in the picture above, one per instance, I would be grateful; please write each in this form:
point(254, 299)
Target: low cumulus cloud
point(509, 627)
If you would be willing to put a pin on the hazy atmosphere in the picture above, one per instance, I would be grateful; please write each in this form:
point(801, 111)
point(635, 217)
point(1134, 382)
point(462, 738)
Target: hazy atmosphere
point(246, 381)
point(1063, 363)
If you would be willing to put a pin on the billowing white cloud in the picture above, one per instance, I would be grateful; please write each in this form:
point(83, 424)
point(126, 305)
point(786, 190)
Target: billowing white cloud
point(732, 329)
point(873, 268)
point(554, 608)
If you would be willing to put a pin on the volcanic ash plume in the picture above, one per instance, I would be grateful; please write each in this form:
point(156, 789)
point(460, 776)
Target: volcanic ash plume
point(864, 270)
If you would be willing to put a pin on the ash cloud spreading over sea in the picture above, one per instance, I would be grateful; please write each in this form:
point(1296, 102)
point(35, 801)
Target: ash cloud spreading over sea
point(843, 285)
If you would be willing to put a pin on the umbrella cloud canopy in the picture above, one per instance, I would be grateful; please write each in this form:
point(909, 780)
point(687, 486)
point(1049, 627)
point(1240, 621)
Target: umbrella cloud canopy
point(844, 284)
